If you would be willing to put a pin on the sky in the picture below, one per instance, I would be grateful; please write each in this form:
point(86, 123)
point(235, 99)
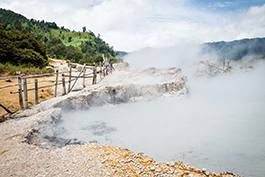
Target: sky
point(131, 25)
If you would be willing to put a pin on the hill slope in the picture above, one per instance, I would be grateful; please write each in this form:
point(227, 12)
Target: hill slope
point(236, 50)
point(61, 43)
point(20, 48)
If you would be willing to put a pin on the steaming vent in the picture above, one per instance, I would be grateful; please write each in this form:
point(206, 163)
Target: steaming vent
point(125, 85)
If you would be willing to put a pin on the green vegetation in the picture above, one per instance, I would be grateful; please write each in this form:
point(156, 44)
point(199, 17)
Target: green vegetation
point(19, 48)
point(11, 69)
point(236, 50)
point(61, 43)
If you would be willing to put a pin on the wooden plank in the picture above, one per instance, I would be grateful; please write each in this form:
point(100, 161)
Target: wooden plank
point(89, 67)
point(18, 72)
point(20, 92)
point(84, 78)
point(9, 86)
point(63, 72)
point(100, 71)
point(39, 75)
point(46, 74)
point(36, 92)
point(25, 93)
point(34, 88)
point(48, 86)
point(70, 78)
point(3, 78)
point(42, 81)
point(78, 77)
point(94, 81)
point(56, 83)
point(63, 80)
point(45, 81)
point(7, 110)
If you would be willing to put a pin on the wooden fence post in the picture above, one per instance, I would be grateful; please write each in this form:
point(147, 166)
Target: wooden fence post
point(94, 75)
point(25, 93)
point(84, 78)
point(70, 77)
point(100, 71)
point(20, 91)
point(56, 83)
point(36, 92)
point(63, 80)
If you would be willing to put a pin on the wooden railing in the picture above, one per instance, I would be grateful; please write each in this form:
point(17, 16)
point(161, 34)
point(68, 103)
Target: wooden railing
point(22, 82)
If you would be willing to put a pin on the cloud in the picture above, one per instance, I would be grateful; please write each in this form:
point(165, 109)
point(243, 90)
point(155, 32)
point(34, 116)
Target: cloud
point(220, 4)
point(247, 24)
point(113, 15)
point(134, 24)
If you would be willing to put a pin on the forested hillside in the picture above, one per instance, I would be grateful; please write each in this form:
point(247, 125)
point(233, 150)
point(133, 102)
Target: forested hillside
point(20, 48)
point(60, 42)
point(236, 50)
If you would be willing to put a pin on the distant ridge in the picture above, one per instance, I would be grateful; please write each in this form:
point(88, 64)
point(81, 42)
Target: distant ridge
point(121, 53)
point(236, 50)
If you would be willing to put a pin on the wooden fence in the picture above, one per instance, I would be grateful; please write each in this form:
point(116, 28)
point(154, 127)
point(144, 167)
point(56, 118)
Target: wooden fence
point(72, 80)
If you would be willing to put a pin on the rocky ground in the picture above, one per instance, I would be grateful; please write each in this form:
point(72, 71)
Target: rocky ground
point(23, 159)
point(25, 152)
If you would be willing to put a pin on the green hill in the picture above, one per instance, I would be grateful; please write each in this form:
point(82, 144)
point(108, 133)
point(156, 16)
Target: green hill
point(236, 50)
point(60, 42)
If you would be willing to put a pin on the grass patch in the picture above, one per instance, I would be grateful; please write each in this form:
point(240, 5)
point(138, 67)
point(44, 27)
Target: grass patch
point(12, 69)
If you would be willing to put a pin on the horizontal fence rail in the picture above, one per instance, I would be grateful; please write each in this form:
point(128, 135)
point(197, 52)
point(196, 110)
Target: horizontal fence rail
point(10, 77)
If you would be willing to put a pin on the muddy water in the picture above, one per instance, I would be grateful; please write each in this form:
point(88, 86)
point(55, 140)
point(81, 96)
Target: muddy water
point(220, 126)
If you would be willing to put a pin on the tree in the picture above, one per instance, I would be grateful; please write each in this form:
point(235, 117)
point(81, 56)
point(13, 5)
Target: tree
point(56, 48)
point(5, 24)
point(18, 25)
point(73, 53)
point(84, 29)
point(45, 39)
point(69, 39)
point(20, 47)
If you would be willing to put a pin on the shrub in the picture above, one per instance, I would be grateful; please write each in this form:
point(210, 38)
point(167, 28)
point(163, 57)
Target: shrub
point(24, 69)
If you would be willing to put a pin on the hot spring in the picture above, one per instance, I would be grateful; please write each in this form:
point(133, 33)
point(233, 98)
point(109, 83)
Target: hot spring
point(219, 126)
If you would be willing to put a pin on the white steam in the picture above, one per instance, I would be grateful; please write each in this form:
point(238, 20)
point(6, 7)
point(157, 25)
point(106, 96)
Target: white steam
point(167, 57)
point(219, 126)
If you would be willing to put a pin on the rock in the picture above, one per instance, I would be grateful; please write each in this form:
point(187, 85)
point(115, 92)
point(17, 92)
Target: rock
point(152, 168)
point(121, 66)
point(207, 173)
point(208, 69)
point(246, 68)
point(165, 171)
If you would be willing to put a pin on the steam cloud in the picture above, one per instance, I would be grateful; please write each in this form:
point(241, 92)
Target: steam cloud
point(219, 126)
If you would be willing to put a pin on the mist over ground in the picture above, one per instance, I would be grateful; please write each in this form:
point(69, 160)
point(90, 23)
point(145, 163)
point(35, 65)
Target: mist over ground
point(218, 126)
point(181, 54)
